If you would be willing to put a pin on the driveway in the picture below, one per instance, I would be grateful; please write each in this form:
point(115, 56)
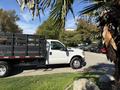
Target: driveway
point(92, 59)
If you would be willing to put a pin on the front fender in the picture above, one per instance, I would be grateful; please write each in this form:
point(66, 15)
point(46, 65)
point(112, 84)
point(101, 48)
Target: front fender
point(82, 57)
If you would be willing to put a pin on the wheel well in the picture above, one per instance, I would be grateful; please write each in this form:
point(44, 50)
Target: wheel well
point(4, 61)
point(10, 63)
point(75, 56)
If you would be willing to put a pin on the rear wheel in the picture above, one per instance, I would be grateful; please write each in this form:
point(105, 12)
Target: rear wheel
point(76, 63)
point(4, 69)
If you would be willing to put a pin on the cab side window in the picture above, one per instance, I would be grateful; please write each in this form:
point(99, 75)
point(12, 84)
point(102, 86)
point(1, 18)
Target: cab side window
point(56, 45)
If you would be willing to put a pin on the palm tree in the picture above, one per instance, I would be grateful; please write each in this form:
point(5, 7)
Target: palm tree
point(109, 22)
point(58, 9)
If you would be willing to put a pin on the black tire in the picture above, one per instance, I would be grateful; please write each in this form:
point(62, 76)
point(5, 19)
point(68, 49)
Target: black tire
point(4, 69)
point(76, 63)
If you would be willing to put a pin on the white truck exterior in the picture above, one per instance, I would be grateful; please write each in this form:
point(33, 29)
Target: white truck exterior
point(55, 53)
point(59, 54)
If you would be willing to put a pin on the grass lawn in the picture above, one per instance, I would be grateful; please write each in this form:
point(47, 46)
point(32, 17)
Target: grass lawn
point(43, 82)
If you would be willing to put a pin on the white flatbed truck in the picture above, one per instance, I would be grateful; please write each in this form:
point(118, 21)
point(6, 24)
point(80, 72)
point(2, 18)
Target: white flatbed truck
point(22, 48)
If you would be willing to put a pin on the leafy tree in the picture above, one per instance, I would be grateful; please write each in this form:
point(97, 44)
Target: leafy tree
point(87, 30)
point(8, 21)
point(70, 38)
point(47, 30)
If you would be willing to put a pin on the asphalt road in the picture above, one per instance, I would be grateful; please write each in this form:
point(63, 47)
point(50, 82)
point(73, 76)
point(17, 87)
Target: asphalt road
point(95, 58)
point(92, 59)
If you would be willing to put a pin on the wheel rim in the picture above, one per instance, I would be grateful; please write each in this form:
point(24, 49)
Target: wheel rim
point(76, 63)
point(2, 70)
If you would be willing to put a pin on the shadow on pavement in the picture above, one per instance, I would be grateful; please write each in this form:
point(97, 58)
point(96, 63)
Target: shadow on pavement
point(19, 69)
point(101, 67)
point(98, 69)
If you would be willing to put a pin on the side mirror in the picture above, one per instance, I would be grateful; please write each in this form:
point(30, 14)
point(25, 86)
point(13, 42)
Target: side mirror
point(64, 49)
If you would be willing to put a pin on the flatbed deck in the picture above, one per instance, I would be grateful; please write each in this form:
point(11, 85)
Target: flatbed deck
point(13, 46)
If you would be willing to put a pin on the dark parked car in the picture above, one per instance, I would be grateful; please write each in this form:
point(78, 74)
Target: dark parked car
point(86, 47)
point(94, 47)
point(103, 50)
point(83, 47)
point(98, 49)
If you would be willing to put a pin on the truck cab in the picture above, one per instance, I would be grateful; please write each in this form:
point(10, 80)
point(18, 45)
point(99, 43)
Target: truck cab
point(58, 53)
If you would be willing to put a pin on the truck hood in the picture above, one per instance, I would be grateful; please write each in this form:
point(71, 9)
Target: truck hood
point(76, 50)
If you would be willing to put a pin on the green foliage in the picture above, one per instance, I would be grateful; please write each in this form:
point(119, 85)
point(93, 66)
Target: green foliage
point(47, 30)
point(87, 30)
point(70, 38)
point(8, 21)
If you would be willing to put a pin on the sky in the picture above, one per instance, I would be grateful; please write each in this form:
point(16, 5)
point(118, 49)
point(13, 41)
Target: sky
point(30, 26)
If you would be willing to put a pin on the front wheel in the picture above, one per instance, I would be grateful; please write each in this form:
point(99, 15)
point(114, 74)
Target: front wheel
point(4, 69)
point(76, 63)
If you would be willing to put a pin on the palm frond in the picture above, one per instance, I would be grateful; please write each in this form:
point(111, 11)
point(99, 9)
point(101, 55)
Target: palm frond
point(59, 12)
point(91, 1)
point(59, 8)
point(92, 7)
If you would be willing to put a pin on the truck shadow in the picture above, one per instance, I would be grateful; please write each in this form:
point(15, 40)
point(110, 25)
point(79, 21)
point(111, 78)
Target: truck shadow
point(101, 67)
point(19, 69)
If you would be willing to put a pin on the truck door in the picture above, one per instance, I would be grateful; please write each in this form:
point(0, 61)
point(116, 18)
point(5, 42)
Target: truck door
point(58, 54)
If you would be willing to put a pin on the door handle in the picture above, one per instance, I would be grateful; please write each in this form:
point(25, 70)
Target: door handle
point(50, 53)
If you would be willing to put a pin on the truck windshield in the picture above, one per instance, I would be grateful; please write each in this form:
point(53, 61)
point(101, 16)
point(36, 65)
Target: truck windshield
point(56, 45)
